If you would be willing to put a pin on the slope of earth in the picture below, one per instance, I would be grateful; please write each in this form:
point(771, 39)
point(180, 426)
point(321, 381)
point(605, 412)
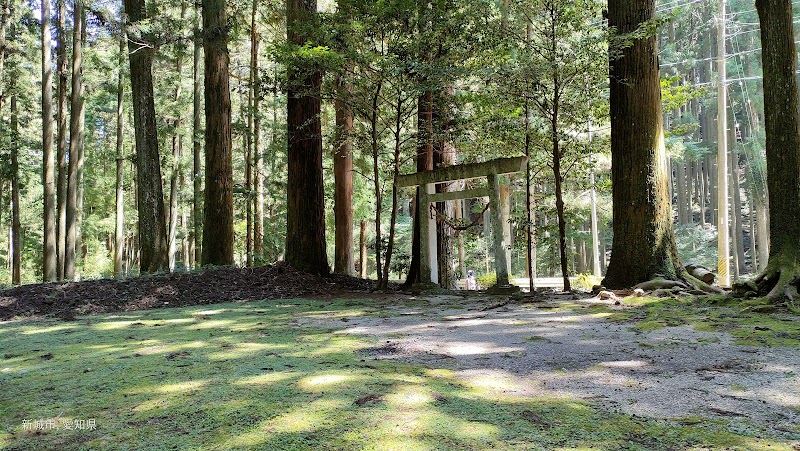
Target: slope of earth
point(208, 286)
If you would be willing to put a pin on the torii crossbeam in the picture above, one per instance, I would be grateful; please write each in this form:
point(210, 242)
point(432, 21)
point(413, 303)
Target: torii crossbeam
point(427, 181)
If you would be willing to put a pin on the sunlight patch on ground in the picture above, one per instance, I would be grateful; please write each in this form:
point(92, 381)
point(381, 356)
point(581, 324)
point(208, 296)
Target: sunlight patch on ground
point(267, 379)
point(47, 330)
point(323, 381)
point(476, 348)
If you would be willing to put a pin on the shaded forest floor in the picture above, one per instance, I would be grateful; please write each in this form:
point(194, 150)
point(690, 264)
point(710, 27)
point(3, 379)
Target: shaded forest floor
point(359, 371)
point(209, 286)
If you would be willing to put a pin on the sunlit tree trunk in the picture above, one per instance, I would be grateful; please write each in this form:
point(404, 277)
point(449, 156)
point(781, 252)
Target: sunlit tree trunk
point(61, 141)
point(197, 145)
point(75, 143)
point(783, 147)
point(150, 198)
point(343, 186)
point(119, 223)
point(644, 240)
point(50, 255)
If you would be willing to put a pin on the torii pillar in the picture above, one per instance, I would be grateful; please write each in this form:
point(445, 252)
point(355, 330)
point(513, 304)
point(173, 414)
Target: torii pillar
point(427, 180)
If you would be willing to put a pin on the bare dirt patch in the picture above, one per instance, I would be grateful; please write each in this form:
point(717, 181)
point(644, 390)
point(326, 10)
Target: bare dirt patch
point(677, 373)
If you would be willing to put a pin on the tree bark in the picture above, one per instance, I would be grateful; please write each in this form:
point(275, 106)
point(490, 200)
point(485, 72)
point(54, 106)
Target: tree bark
point(75, 143)
point(218, 226)
point(255, 132)
point(343, 183)
point(197, 147)
point(16, 239)
point(424, 163)
point(119, 223)
point(61, 141)
point(50, 255)
point(177, 150)
point(644, 239)
point(362, 247)
point(150, 198)
point(783, 146)
point(305, 225)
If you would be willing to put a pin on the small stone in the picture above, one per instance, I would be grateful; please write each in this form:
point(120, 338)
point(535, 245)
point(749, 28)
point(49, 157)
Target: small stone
point(606, 295)
point(617, 302)
point(638, 293)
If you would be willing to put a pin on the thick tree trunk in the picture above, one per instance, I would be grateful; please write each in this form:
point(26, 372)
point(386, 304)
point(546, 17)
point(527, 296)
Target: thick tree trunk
point(119, 223)
point(61, 141)
point(218, 226)
point(783, 146)
point(50, 255)
point(644, 240)
point(197, 145)
point(150, 198)
point(75, 143)
point(343, 183)
point(305, 225)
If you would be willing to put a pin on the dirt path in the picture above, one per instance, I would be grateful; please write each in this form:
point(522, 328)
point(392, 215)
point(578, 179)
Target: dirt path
point(526, 350)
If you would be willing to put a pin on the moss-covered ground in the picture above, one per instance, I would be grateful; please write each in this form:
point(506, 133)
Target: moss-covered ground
point(252, 376)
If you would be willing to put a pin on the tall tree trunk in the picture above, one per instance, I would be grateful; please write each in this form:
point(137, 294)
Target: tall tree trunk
point(119, 223)
point(50, 255)
point(783, 146)
point(398, 143)
point(305, 225)
point(375, 151)
point(150, 197)
point(197, 147)
point(255, 132)
point(16, 239)
point(4, 14)
point(343, 182)
point(218, 227)
point(644, 240)
point(424, 163)
point(177, 150)
point(61, 141)
point(75, 143)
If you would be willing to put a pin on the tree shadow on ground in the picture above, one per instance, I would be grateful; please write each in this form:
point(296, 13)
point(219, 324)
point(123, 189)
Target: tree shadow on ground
point(256, 376)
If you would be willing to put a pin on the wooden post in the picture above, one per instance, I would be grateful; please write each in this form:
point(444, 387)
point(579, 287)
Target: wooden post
point(505, 213)
point(428, 264)
point(500, 246)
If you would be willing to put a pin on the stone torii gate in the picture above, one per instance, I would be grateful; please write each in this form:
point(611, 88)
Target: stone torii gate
point(427, 180)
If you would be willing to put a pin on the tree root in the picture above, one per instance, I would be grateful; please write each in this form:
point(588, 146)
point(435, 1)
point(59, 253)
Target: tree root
point(699, 284)
point(779, 284)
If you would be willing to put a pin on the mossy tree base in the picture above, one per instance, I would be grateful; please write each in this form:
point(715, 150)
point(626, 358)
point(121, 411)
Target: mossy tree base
point(779, 283)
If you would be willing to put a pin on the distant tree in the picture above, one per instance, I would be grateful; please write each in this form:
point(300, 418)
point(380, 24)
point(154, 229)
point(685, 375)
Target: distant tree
point(50, 256)
point(644, 240)
point(782, 274)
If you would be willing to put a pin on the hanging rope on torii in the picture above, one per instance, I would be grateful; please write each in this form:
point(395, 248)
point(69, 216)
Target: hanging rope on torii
point(426, 193)
point(457, 227)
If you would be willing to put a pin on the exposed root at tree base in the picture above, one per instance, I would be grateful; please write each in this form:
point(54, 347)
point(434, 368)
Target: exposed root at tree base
point(779, 285)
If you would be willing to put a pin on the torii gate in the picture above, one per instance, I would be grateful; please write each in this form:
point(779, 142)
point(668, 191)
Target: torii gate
point(427, 181)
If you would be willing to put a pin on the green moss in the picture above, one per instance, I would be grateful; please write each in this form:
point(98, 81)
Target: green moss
point(251, 376)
